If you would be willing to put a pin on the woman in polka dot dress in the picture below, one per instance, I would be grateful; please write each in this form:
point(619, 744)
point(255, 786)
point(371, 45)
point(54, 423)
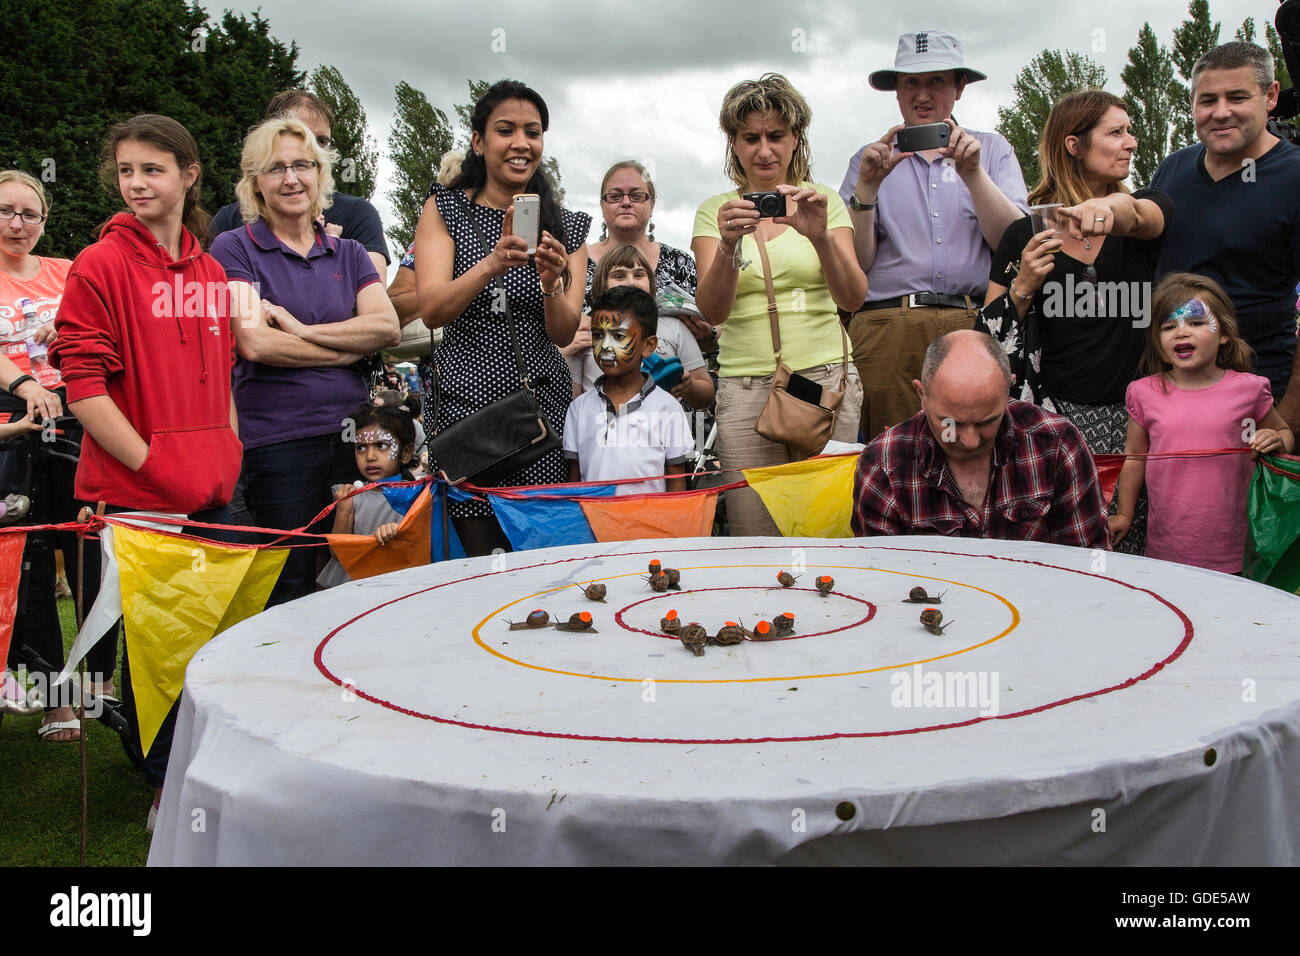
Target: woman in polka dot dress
point(456, 280)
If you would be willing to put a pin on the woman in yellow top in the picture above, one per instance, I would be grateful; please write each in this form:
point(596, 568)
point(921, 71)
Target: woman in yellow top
point(814, 270)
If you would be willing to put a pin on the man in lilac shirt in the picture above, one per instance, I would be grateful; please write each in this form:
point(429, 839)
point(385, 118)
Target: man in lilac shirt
point(925, 225)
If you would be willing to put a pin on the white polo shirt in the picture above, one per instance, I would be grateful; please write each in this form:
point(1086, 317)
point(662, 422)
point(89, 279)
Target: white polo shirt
point(641, 439)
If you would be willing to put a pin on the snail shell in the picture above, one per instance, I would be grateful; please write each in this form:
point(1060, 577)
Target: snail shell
point(730, 633)
point(538, 618)
point(581, 621)
point(674, 578)
point(932, 618)
point(763, 631)
point(825, 584)
point(783, 624)
point(670, 623)
point(595, 592)
point(654, 566)
point(918, 596)
point(658, 581)
point(785, 579)
point(693, 637)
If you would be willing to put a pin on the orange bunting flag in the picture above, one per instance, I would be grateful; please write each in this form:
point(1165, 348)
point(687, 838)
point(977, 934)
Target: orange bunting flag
point(363, 557)
point(679, 515)
point(1108, 468)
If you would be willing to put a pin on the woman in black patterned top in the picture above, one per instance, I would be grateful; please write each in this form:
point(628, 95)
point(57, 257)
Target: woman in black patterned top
point(455, 277)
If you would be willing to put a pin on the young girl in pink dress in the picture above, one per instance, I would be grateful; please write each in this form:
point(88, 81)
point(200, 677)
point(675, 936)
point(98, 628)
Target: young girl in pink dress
point(1201, 395)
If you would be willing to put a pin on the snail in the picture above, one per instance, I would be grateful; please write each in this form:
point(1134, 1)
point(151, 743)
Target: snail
point(918, 596)
point(730, 633)
point(825, 584)
point(674, 578)
point(670, 623)
point(783, 624)
point(593, 592)
point(658, 581)
point(538, 618)
point(931, 618)
point(786, 579)
point(654, 566)
point(693, 638)
point(763, 631)
point(577, 622)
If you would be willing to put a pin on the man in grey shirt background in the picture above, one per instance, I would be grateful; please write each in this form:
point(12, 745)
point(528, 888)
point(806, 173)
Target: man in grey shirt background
point(925, 225)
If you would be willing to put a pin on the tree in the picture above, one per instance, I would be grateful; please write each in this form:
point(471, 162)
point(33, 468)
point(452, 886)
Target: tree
point(1049, 76)
point(465, 113)
point(1195, 37)
point(1246, 33)
point(359, 153)
point(103, 61)
point(1150, 91)
point(421, 134)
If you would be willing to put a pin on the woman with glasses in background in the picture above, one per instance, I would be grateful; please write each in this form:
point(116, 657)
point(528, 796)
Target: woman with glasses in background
point(305, 306)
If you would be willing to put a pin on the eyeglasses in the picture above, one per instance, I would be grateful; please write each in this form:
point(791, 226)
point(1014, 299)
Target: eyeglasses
point(325, 142)
point(302, 167)
point(616, 196)
point(30, 218)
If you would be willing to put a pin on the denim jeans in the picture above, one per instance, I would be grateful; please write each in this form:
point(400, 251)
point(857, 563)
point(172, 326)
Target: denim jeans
point(286, 485)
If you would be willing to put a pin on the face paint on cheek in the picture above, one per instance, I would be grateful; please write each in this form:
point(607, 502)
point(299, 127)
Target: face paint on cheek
point(615, 340)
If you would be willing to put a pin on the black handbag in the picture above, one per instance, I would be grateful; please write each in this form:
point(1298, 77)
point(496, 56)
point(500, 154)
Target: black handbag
point(503, 437)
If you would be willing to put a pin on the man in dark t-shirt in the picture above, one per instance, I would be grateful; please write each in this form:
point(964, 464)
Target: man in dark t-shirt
point(349, 217)
point(1237, 196)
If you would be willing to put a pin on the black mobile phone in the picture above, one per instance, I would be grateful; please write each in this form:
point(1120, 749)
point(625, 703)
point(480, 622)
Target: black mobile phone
point(804, 389)
point(913, 139)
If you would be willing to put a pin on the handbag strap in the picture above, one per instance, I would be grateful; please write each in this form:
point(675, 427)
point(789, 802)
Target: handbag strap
point(501, 289)
point(776, 322)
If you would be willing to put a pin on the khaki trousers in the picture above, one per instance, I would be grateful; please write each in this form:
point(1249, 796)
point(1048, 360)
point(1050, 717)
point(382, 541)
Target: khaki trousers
point(739, 402)
point(888, 347)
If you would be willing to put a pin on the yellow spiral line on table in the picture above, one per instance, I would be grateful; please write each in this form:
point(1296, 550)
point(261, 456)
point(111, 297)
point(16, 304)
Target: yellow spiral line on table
point(1015, 622)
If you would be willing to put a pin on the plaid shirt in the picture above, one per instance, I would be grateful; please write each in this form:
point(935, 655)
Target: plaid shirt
point(1044, 485)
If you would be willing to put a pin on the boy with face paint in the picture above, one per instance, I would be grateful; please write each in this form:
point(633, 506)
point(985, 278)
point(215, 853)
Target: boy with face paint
point(626, 427)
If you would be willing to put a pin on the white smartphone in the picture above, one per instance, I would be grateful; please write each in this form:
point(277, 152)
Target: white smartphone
point(528, 219)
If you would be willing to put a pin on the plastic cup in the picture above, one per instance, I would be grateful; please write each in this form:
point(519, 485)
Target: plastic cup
point(1047, 217)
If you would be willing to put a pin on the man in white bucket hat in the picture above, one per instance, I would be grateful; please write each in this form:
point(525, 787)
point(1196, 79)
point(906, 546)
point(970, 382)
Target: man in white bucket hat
point(925, 225)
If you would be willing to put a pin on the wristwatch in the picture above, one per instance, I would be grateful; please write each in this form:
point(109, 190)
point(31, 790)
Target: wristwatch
point(858, 205)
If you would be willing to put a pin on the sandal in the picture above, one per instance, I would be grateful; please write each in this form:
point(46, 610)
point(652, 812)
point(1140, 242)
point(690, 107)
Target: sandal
point(15, 508)
point(54, 726)
point(16, 699)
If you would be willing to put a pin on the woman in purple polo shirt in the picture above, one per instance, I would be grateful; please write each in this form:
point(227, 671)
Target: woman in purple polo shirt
point(305, 307)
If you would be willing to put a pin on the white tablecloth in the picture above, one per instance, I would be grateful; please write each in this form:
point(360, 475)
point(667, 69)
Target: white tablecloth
point(1082, 707)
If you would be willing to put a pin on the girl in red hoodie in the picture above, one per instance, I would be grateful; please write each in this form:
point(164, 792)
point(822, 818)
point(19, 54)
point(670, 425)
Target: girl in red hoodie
point(144, 346)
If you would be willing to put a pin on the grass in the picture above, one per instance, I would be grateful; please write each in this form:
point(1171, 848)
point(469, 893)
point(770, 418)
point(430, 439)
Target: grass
point(40, 793)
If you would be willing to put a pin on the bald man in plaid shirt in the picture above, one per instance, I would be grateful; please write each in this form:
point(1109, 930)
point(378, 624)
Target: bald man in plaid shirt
point(971, 464)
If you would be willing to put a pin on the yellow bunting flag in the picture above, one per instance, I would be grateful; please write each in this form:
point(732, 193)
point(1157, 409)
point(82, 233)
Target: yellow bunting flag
point(808, 499)
point(176, 595)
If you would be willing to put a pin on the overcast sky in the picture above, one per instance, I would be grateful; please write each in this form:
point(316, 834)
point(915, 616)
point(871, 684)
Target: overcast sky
point(645, 80)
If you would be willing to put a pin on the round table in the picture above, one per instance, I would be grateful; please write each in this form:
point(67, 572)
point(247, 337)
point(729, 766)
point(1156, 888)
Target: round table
point(1078, 707)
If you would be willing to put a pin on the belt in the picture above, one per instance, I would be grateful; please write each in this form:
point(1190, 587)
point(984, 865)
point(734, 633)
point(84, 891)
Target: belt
point(925, 300)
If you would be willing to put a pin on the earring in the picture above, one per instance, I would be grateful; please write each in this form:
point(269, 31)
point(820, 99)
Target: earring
point(652, 230)
point(604, 233)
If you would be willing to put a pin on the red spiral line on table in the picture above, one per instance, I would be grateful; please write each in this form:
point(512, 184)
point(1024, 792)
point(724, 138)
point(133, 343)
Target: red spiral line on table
point(871, 612)
point(838, 735)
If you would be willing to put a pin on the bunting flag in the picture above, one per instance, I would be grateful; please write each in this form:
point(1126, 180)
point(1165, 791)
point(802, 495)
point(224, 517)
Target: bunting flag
point(11, 570)
point(808, 499)
point(177, 593)
point(1108, 469)
point(536, 518)
point(1273, 513)
point(363, 557)
point(678, 514)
